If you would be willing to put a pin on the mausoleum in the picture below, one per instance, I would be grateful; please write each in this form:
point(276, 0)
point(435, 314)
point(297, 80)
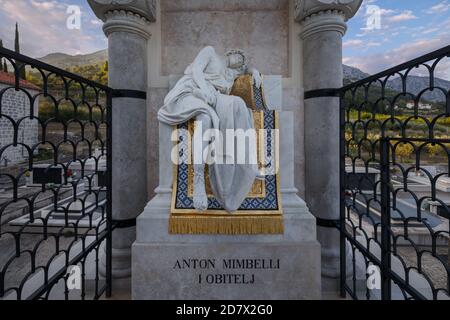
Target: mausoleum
point(225, 159)
point(297, 47)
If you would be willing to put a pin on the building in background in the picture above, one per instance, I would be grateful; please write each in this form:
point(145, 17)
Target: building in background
point(16, 107)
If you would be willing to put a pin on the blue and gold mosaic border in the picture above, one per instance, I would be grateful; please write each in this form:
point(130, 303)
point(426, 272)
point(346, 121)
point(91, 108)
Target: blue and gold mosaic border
point(269, 204)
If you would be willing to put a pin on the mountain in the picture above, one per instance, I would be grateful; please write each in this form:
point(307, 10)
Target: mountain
point(352, 74)
point(415, 84)
point(64, 61)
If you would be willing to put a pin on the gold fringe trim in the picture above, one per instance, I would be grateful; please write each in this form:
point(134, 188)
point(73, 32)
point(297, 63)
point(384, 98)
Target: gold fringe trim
point(233, 225)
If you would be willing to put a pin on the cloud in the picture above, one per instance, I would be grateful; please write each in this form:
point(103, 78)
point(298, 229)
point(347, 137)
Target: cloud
point(387, 19)
point(96, 22)
point(386, 12)
point(353, 43)
point(444, 6)
point(403, 16)
point(356, 43)
point(432, 30)
point(43, 28)
point(45, 5)
point(374, 63)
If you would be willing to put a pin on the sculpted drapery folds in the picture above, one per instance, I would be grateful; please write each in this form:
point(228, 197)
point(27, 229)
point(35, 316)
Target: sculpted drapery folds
point(203, 94)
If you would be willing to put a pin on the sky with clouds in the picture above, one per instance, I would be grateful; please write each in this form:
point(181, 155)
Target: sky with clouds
point(408, 28)
point(43, 28)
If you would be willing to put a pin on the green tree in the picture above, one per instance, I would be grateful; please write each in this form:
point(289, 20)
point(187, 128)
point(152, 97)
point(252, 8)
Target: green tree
point(434, 150)
point(2, 63)
point(23, 74)
point(404, 151)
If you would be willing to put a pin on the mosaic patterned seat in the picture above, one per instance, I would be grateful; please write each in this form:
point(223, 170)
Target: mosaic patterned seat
point(262, 204)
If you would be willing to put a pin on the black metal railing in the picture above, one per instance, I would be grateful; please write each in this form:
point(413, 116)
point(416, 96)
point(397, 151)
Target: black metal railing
point(395, 182)
point(55, 183)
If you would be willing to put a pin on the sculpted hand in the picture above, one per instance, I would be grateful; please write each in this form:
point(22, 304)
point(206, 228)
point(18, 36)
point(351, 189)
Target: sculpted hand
point(257, 78)
point(211, 97)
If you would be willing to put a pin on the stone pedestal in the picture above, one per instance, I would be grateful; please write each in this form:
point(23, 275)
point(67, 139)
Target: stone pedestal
point(127, 27)
point(280, 266)
point(323, 26)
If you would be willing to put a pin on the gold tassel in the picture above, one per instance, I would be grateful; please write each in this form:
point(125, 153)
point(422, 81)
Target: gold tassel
point(232, 225)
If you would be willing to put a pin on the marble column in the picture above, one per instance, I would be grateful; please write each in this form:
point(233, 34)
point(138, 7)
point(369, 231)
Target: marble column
point(127, 28)
point(323, 26)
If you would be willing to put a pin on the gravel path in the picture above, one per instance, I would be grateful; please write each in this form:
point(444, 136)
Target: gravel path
point(432, 267)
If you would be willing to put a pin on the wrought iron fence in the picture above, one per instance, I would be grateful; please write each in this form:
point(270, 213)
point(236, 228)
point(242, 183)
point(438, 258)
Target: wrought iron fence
point(395, 182)
point(55, 176)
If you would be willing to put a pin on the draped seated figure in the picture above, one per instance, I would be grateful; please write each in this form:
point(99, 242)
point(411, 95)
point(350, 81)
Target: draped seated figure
point(223, 94)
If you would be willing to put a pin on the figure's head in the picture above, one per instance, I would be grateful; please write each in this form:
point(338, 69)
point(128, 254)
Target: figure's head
point(235, 59)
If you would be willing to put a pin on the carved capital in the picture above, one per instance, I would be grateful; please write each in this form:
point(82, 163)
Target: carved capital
point(307, 8)
point(125, 21)
point(144, 8)
point(324, 21)
point(132, 16)
point(325, 15)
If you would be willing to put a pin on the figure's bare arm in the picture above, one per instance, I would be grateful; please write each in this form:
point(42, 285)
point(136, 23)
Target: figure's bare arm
point(198, 67)
point(257, 78)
